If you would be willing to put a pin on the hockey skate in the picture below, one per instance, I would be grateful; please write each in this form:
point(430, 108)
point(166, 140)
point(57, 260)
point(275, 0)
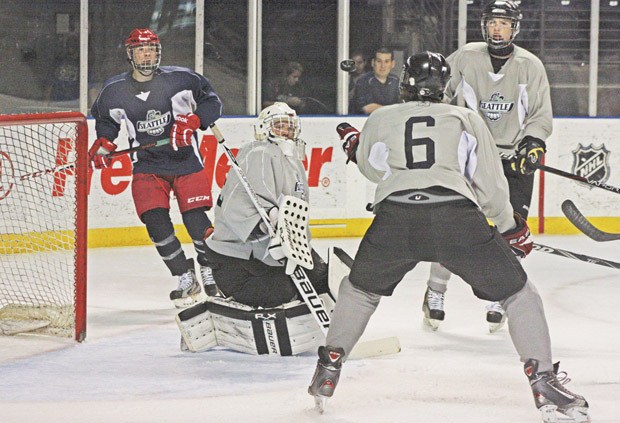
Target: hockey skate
point(433, 308)
point(496, 316)
point(211, 289)
point(188, 293)
point(555, 402)
point(326, 375)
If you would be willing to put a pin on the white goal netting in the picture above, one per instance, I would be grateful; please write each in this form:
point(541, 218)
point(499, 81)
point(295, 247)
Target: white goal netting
point(43, 224)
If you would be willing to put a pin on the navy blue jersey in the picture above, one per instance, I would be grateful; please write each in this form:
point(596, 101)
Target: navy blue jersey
point(149, 109)
point(368, 90)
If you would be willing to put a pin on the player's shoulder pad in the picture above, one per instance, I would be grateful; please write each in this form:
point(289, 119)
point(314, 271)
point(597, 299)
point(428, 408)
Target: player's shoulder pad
point(171, 69)
point(523, 55)
point(117, 78)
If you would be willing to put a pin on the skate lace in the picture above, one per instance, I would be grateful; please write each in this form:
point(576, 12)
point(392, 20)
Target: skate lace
point(435, 300)
point(207, 275)
point(562, 378)
point(495, 307)
point(185, 281)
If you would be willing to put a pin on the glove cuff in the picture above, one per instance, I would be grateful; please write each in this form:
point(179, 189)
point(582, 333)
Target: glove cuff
point(529, 143)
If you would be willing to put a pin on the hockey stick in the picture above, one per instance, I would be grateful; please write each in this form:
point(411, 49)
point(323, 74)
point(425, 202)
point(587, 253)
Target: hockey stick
point(299, 276)
point(579, 220)
point(72, 165)
point(576, 256)
point(578, 178)
point(158, 143)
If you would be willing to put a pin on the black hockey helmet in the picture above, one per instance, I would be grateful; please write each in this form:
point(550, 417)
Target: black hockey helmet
point(424, 77)
point(505, 9)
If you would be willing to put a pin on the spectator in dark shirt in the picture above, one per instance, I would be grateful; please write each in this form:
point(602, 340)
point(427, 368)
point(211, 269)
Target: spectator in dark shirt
point(379, 87)
point(287, 88)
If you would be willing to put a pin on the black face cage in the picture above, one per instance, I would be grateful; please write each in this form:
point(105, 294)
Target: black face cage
point(149, 66)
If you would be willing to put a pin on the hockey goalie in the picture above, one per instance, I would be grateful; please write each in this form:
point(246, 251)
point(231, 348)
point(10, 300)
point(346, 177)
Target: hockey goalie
point(275, 286)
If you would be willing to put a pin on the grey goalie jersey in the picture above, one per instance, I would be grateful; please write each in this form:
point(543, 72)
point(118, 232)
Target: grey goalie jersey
point(271, 175)
point(418, 145)
point(514, 102)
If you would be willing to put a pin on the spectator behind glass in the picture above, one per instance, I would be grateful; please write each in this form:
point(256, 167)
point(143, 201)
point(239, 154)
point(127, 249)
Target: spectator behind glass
point(360, 69)
point(287, 88)
point(379, 87)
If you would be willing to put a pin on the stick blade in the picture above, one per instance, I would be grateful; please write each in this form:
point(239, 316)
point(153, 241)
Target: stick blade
point(573, 214)
point(375, 348)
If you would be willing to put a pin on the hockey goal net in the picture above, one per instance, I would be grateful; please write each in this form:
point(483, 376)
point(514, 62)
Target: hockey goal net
point(43, 209)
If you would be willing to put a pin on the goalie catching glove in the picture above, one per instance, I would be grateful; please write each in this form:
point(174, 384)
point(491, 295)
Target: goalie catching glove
point(519, 238)
point(351, 138)
point(183, 130)
point(98, 153)
point(530, 154)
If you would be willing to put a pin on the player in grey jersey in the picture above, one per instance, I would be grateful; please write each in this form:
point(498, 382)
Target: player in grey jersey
point(439, 177)
point(238, 251)
point(508, 87)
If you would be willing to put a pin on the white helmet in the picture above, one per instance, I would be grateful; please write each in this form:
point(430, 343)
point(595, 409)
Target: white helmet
point(278, 113)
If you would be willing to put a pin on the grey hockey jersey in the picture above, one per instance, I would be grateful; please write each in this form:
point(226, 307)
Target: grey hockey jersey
point(271, 175)
point(418, 145)
point(514, 102)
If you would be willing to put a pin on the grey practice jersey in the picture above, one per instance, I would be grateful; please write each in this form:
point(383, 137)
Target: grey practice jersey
point(514, 102)
point(421, 144)
point(271, 175)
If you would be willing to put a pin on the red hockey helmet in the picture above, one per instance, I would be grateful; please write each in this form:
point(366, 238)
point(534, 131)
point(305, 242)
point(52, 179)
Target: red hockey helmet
point(143, 37)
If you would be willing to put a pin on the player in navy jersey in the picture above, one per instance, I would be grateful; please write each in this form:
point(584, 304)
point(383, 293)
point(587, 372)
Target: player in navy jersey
point(158, 103)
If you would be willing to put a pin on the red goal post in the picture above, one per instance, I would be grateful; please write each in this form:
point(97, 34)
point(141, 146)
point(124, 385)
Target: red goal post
point(43, 225)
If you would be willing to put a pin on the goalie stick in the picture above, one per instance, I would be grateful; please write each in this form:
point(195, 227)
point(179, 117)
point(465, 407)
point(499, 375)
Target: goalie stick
point(579, 220)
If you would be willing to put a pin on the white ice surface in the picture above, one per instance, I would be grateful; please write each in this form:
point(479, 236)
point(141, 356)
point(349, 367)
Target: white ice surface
point(130, 368)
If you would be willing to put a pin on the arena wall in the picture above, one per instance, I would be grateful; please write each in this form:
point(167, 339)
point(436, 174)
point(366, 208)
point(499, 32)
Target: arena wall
point(339, 193)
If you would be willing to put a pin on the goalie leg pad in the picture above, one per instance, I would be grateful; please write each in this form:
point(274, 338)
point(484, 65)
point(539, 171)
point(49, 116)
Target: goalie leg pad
point(286, 330)
point(197, 329)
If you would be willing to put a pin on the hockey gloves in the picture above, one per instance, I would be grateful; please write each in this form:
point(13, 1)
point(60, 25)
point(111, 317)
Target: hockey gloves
point(183, 130)
point(350, 137)
point(98, 153)
point(519, 238)
point(530, 153)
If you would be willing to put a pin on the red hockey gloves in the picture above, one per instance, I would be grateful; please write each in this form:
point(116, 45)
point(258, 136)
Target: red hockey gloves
point(98, 153)
point(183, 129)
point(530, 153)
point(351, 138)
point(519, 238)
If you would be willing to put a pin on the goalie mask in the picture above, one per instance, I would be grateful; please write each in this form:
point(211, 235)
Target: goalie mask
point(424, 77)
point(279, 124)
point(503, 10)
point(143, 50)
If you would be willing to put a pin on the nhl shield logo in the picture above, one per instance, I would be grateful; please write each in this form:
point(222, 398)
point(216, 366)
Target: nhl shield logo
point(591, 162)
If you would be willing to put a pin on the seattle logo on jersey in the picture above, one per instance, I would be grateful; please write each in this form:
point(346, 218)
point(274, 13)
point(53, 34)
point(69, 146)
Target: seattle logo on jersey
point(155, 123)
point(495, 107)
